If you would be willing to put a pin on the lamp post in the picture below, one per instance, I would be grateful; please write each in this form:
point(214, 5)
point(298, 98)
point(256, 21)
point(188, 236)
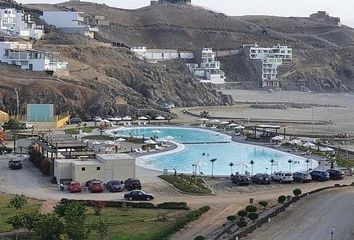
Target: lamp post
point(271, 166)
point(290, 162)
point(212, 166)
point(307, 162)
point(231, 164)
point(252, 163)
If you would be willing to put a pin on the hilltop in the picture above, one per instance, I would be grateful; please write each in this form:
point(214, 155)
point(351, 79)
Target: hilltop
point(323, 57)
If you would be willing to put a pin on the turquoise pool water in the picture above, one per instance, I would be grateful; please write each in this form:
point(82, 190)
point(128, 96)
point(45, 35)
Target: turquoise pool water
point(192, 150)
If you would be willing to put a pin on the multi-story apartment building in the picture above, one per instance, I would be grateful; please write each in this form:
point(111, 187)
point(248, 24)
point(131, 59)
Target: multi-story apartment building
point(269, 59)
point(22, 54)
point(69, 22)
point(209, 70)
point(19, 24)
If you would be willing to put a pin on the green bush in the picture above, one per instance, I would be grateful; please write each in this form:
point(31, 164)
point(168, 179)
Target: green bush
point(288, 198)
point(253, 216)
point(264, 204)
point(297, 192)
point(251, 208)
point(231, 218)
point(281, 199)
point(242, 213)
point(199, 238)
point(173, 205)
point(241, 224)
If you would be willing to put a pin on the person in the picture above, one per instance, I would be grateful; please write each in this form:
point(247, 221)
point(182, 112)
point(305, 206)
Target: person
point(61, 186)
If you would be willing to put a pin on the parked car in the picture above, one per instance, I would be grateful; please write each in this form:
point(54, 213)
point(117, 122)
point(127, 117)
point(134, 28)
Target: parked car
point(95, 186)
point(240, 180)
point(15, 164)
point(74, 187)
point(115, 186)
point(92, 180)
point(302, 177)
point(282, 177)
point(97, 119)
point(261, 178)
point(75, 121)
point(335, 174)
point(138, 195)
point(320, 175)
point(132, 184)
point(5, 150)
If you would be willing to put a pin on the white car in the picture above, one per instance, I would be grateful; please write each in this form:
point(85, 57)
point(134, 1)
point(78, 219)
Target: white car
point(28, 125)
point(283, 177)
point(97, 119)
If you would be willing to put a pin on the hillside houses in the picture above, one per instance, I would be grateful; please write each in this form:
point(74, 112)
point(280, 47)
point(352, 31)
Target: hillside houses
point(22, 54)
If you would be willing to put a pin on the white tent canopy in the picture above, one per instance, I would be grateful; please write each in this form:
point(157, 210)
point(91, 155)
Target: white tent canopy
point(143, 118)
point(309, 144)
point(240, 127)
point(326, 149)
point(224, 123)
point(214, 121)
point(160, 118)
point(233, 125)
point(127, 118)
point(295, 142)
point(203, 119)
point(150, 141)
point(278, 138)
point(109, 142)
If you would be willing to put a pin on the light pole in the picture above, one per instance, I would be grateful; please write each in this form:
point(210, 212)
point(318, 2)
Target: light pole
point(290, 162)
point(252, 163)
point(271, 166)
point(17, 103)
point(307, 162)
point(212, 166)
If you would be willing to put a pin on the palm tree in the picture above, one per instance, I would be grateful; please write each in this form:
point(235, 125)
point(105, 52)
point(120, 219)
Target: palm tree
point(307, 162)
point(271, 166)
point(212, 166)
point(290, 162)
point(252, 163)
point(231, 164)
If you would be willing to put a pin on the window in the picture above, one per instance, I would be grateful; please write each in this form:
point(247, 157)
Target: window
point(83, 169)
point(98, 168)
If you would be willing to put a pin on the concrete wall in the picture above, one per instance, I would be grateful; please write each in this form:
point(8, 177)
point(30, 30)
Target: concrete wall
point(84, 171)
point(62, 169)
point(117, 166)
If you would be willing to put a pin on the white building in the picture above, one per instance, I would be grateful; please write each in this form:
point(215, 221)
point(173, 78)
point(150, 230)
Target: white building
point(271, 59)
point(155, 55)
point(209, 70)
point(104, 167)
point(22, 54)
point(69, 22)
point(16, 23)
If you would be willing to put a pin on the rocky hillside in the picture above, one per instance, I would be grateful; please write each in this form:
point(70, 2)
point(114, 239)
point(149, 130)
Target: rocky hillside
point(323, 54)
point(99, 74)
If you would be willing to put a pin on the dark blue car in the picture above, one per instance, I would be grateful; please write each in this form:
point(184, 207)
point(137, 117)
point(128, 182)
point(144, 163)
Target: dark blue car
point(318, 175)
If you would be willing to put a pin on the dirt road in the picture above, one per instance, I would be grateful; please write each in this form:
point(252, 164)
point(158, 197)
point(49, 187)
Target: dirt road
point(313, 218)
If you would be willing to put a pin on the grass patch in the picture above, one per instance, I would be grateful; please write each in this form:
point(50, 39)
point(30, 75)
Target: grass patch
point(6, 211)
point(187, 184)
point(77, 130)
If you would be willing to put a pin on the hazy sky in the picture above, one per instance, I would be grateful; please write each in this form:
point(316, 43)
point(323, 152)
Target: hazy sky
point(339, 8)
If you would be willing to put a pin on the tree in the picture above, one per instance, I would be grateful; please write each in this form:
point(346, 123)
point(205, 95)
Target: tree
point(290, 162)
point(264, 204)
point(253, 216)
point(100, 226)
point(199, 237)
point(281, 199)
point(15, 222)
point(18, 202)
point(74, 216)
point(271, 166)
point(242, 213)
point(231, 218)
point(231, 164)
point(251, 208)
point(97, 207)
point(13, 125)
point(212, 167)
point(204, 114)
point(252, 163)
point(297, 192)
point(50, 226)
point(242, 223)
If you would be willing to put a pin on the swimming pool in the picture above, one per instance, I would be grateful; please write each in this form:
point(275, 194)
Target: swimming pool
point(201, 145)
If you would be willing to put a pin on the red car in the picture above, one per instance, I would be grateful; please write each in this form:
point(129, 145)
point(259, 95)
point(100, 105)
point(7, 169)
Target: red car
point(74, 187)
point(95, 186)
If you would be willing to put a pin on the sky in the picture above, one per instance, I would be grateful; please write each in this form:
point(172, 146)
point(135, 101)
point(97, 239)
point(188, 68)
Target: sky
point(302, 8)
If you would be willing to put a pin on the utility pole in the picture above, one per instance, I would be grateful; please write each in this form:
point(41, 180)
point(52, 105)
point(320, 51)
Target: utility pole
point(17, 104)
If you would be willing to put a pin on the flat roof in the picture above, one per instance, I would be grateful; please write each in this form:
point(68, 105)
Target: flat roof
point(85, 163)
point(114, 157)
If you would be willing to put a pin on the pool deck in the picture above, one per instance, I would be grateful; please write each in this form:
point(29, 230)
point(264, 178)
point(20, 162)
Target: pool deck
point(147, 171)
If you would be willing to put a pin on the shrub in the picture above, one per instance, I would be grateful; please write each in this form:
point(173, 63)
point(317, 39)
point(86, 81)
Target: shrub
point(253, 216)
point(242, 213)
point(231, 218)
point(281, 199)
point(288, 198)
point(241, 224)
point(264, 204)
point(199, 238)
point(251, 208)
point(173, 205)
point(297, 192)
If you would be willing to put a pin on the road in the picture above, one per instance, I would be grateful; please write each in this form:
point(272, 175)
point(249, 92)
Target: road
point(313, 218)
point(227, 201)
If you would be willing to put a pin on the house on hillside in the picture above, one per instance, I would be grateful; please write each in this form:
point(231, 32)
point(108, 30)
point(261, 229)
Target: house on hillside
point(69, 22)
point(22, 54)
point(171, 2)
point(19, 24)
point(323, 16)
point(209, 70)
point(267, 60)
point(154, 55)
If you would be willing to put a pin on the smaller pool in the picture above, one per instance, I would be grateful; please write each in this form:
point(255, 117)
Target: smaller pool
point(200, 145)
